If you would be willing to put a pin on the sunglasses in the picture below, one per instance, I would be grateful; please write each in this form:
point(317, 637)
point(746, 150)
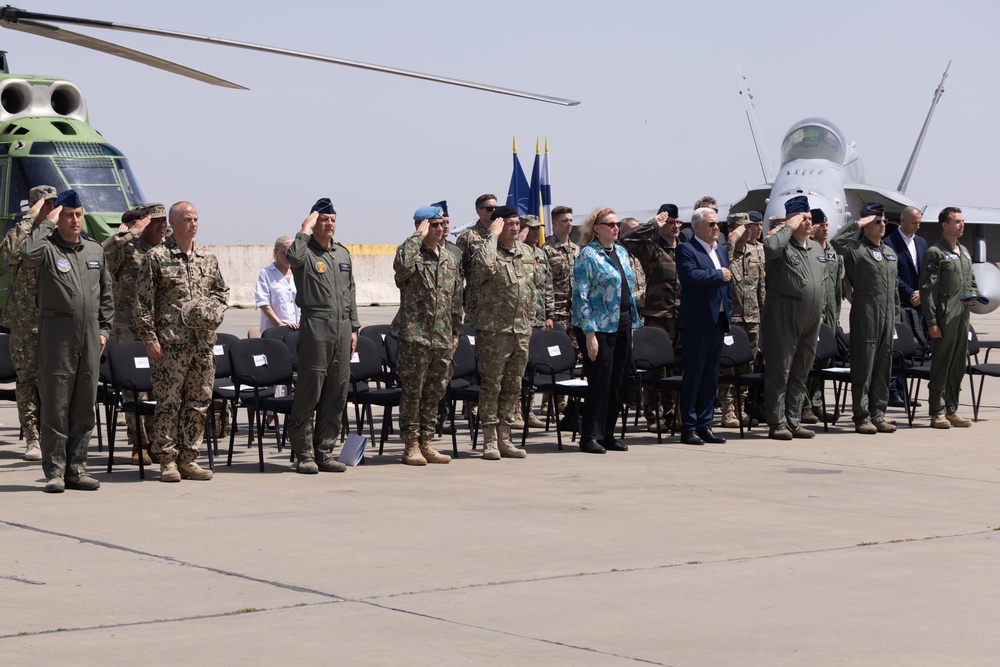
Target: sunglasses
point(488, 208)
point(610, 224)
point(436, 224)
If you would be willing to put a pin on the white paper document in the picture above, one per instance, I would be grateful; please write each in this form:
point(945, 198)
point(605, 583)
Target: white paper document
point(353, 451)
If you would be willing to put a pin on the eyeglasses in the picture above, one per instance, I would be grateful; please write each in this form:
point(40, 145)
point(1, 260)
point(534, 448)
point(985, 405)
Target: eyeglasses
point(610, 224)
point(488, 208)
point(713, 224)
point(436, 224)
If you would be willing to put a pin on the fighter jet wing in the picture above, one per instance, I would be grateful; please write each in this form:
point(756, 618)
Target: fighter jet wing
point(754, 200)
point(895, 202)
point(972, 214)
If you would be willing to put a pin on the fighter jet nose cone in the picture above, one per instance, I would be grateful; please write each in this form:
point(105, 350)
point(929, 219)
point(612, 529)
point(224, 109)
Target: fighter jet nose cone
point(988, 282)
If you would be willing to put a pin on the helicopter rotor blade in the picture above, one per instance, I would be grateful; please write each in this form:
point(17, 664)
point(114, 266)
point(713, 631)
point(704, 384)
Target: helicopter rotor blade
point(62, 35)
point(12, 17)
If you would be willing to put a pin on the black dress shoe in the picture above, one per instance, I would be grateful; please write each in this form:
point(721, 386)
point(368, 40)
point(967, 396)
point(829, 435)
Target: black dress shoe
point(591, 446)
point(707, 435)
point(615, 446)
point(691, 438)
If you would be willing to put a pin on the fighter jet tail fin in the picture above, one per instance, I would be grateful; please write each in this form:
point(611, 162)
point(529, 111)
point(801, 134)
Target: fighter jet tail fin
point(765, 161)
point(938, 92)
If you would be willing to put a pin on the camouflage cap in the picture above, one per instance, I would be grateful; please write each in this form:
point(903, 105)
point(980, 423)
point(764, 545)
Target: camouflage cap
point(41, 192)
point(776, 221)
point(530, 221)
point(738, 219)
point(154, 210)
point(202, 313)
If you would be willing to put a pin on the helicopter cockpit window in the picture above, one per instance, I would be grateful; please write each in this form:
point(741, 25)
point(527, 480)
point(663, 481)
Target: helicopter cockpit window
point(26, 173)
point(95, 180)
point(812, 142)
point(132, 191)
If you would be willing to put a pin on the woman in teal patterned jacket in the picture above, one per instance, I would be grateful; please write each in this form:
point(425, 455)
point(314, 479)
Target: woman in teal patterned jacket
point(604, 314)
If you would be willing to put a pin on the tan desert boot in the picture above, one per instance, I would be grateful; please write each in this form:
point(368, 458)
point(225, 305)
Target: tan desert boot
point(431, 454)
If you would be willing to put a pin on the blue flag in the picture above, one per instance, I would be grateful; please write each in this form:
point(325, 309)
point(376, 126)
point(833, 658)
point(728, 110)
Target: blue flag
point(518, 195)
point(535, 188)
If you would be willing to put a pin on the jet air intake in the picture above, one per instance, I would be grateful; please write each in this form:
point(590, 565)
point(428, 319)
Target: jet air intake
point(21, 98)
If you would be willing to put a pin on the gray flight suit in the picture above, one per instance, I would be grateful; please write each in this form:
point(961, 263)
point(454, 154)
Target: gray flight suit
point(795, 277)
point(945, 278)
point(834, 288)
point(75, 308)
point(324, 280)
point(874, 275)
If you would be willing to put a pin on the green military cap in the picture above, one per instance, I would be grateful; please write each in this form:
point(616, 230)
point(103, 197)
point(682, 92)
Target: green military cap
point(154, 210)
point(41, 192)
point(202, 313)
point(738, 219)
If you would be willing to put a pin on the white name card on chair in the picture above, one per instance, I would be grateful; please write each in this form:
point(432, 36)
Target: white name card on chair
point(355, 358)
point(142, 362)
point(553, 350)
point(217, 350)
point(260, 360)
point(728, 340)
point(472, 340)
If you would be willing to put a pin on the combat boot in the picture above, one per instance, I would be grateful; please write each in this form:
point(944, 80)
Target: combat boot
point(490, 451)
point(331, 465)
point(885, 427)
point(867, 428)
point(169, 472)
point(306, 467)
point(939, 421)
point(534, 421)
point(779, 433)
point(507, 448)
point(82, 482)
point(958, 421)
point(32, 451)
point(192, 470)
point(411, 452)
point(55, 485)
point(798, 431)
point(145, 457)
point(809, 415)
point(430, 454)
point(729, 419)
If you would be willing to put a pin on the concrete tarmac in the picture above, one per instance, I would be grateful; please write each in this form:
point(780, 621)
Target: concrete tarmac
point(841, 550)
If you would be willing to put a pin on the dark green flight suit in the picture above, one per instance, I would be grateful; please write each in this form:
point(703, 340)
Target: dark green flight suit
point(945, 278)
point(834, 288)
point(796, 292)
point(324, 280)
point(874, 275)
point(75, 308)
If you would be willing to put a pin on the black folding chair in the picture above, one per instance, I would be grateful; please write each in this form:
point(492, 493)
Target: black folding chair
point(653, 352)
point(277, 333)
point(982, 370)
point(551, 360)
point(130, 370)
point(365, 369)
point(464, 386)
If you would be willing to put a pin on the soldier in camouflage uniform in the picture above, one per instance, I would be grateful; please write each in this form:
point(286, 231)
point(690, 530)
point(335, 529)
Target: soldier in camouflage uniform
point(561, 253)
point(813, 412)
point(324, 278)
point(20, 315)
point(125, 253)
point(470, 241)
point(746, 262)
point(545, 299)
point(180, 302)
point(639, 294)
point(654, 244)
point(506, 268)
point(75, 310)
point(426, 327)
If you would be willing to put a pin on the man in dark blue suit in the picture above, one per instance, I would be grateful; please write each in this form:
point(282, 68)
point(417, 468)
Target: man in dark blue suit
point(910, 250)
point(703, 320)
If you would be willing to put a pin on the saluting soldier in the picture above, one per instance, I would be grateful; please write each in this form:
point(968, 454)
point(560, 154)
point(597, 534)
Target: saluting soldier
point(795, 270)
point(812, 411)
point(328, 336)
point(20, 316)
point(125, 253)
point(871, 266)
point(75, 311)
point(470, 241)
point(947, 290)
point(180, 301)
point(544, 293)
point(506, 268)
point(426, 327)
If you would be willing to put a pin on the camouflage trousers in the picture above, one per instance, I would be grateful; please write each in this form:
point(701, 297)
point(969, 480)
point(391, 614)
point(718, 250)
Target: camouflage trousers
point(502, 360)
point(726, 394)
point(123, 335)
point(182, 382)
point(424, 373)
point(666, 398)
point(24, 354)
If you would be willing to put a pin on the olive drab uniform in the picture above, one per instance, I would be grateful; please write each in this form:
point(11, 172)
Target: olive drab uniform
point(945, 279)
point(544, 292)
point(796, 291)
point(470, 241)
point(324, 278)
point(75, 308)
point(425, 326)
point(503, 326)
point(183, 377)
point(834, 297)
point(20, 316)
point(874, 275)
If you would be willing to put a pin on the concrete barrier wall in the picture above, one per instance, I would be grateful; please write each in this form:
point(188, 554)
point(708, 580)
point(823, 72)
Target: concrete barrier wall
point(240, 265)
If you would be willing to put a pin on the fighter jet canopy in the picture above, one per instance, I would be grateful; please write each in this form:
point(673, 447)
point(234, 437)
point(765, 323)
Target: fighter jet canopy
point(814, 138)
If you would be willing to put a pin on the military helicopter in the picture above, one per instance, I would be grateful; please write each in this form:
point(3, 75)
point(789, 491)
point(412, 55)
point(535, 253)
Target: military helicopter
point(46, 136)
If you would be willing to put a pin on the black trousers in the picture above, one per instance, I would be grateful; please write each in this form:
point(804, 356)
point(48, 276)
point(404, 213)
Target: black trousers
point(605, 382)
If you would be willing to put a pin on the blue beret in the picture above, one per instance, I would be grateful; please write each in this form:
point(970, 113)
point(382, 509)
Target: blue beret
point(669, 209)
point(755, 216)
point(428, 213)
point(443, 205)
point(69, 198)
point(872, 209)
point(819, 217)
point(799, 204)
point(323, 206)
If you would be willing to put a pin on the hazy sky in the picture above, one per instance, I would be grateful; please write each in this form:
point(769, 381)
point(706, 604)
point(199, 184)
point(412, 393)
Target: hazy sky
point(660, 118)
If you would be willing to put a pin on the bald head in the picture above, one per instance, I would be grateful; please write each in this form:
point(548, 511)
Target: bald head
point(909, 220)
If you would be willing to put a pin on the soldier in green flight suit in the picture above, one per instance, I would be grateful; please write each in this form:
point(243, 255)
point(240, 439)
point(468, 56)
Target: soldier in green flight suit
point(75, 311)
point(812, 411)
point(947, 289)
point(790, 324)
point(874, 275)
point(328, 336)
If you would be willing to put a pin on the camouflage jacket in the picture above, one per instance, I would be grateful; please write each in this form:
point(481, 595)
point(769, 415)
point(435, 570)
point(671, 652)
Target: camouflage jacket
point(168, 278)
point(124, 254)
point(657, 261)
point(470, 241)
point(430, 295)
point(640, 282)
point(561, 257)
point(544, 297)
point(21, 309)
point(507, 287)
point(747, 284)
point(457, 252)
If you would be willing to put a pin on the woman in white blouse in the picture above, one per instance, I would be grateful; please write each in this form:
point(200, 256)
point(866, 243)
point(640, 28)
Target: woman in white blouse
point(275, 291)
